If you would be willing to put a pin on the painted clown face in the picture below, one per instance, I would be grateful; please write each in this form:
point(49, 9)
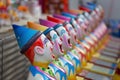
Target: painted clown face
point(101, 11)
point(95, 16)
point(40, 53)
point(84, 23)
point(90, 20)
point(65, 38)
point(77, 28)
point(57, 43)
point(72, 33)
point(47, 48)
point(97, 11)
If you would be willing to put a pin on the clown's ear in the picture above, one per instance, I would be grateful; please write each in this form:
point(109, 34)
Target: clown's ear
point(38, 50)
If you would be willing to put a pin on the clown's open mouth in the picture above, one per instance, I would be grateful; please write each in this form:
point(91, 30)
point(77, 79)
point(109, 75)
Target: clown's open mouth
point(61, 49)
point(69, 43)
point(53, 56)
point(75, 37)
point(51, 48)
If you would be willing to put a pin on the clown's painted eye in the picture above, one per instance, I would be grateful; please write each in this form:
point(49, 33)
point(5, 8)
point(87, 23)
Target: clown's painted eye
point(55, 37)
point(70, 28)
point(38, 50)
point(45, 40)
point(62, 31)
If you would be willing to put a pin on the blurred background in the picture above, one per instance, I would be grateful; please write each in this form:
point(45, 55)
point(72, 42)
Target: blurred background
point(21, 11)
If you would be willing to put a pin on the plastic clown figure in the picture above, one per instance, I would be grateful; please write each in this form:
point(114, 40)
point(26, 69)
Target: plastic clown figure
point(34, 45)
point(51, 35)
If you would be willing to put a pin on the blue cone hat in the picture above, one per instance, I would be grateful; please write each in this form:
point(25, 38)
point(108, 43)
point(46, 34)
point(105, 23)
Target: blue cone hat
point(23, 34)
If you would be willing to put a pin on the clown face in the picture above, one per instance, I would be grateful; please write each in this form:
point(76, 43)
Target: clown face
point(77, 28)
point(57, 43)
point(65, 38)
point(45, 52)
point(101, 11)
point(72, 33)
point(97, 11)
point(95, 16)
point(82, 21)
point(91, 21)
point(40, 53)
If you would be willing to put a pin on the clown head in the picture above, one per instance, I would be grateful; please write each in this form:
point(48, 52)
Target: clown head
point(40, 52)
point(55, 39)
point(35, 45)
point(71, 32)
point(77, 28)
point(64, 36)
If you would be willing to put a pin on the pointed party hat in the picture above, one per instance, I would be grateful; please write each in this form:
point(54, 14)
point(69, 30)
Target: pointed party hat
point(84, 9)
point(73, 13)
point(36, 26)
point(23, 34)
point(68, 15)
point(45, 29)
point(91, 6)
point(53, 19)
point(76, 11)
point(47, 23)
point(61, 17)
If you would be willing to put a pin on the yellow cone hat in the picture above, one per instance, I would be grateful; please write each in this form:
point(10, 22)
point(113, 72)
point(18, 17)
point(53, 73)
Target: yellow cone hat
point(76, 11)
point(36, 26)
